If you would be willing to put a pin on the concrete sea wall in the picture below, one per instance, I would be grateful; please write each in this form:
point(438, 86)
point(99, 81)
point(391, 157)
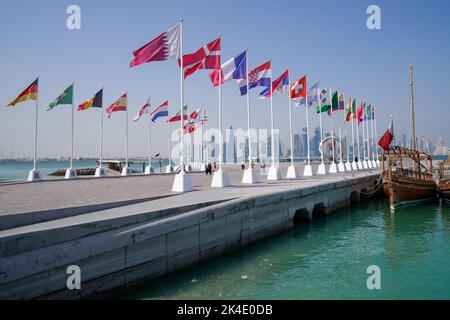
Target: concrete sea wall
point(118, 253)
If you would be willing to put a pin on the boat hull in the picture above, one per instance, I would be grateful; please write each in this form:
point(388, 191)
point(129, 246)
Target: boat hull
point(406, 191)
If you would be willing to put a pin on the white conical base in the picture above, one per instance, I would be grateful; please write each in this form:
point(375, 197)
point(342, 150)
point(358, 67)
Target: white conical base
point(126, 171)
point(188, 168)
point(308, 172)
point(369, 164)
point(348, 166)
point(250, 176)
point(364, 164)
point(374, 164)
point(341, 167)
point(333, 168)
point(203, 167)
point(182, 182)
point(149, 170)
point(274, 174)
point(322, 169)
point(169, 169)
point(354, 166)
point(220, 179)
point(378, 163)
point(71, 173)
point(291, 172)
point(34, 175)
point(100, 172)
point(360, 165)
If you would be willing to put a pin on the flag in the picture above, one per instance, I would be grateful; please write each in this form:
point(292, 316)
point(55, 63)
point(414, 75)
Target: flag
point(177, 116)
point(232, 69)
point(281, 84)
point(298, 88)
point(190, 128)
point(341, 102)
point(359, 112)
point(324, 101)
point(207, 57)
point(350, 109)
point(94, 102)
point(119, 105)
point(369, 115)
point(313, 96)
point(143, 110)
point(64, 98)
point(30, 93)
point(334, 103)
point(195, 114)
point(163, 47)
point(161, 111)
point(387, 137)
point(258, 76)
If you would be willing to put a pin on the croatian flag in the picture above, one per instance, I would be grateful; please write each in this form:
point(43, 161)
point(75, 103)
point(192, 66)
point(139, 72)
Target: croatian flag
point(232, 69)
point(258, 76)
point(163, 47)
point(281, 84)
point(161, 111)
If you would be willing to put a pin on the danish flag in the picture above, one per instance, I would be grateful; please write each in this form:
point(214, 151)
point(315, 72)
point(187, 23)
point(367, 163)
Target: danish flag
point(207, 57)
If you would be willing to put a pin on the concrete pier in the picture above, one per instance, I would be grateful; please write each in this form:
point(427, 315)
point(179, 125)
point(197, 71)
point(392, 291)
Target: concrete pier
point(127, 230)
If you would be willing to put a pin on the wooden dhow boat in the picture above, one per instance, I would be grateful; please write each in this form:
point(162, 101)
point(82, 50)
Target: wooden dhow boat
point(444, 179)
point(405, 177)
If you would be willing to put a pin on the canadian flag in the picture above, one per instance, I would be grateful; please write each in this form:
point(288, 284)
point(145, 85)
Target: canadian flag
point(207, 57)
point(388, 136)
point(298, 88)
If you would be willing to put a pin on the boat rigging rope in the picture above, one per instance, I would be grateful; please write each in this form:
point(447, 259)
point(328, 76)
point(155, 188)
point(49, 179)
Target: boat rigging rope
point(375, 189)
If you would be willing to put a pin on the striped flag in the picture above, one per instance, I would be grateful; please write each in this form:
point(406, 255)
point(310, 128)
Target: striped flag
point(30, 93)
point(94, 102)
point(119, 105)
point(161, 111)
point(144, 109)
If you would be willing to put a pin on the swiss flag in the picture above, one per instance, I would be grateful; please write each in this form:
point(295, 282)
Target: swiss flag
point(207, 57)
point(298, 88)
point(387, 137)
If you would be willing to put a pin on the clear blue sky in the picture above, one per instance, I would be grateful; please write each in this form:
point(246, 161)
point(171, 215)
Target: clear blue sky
point(328, 40)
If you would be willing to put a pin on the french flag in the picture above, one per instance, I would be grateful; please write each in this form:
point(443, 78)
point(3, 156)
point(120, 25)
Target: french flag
point(232, 69)
point(280, 85)
point(258, 76)
point(161, 111)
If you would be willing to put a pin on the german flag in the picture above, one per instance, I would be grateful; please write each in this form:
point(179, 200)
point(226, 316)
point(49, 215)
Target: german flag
point(94, 102)
point(119, 105)
point(30, 93)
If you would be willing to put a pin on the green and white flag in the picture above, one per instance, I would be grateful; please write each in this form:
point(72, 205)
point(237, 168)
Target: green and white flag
point(325, 103)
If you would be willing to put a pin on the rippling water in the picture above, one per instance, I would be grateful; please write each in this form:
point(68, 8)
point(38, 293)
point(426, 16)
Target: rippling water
point(327, 259)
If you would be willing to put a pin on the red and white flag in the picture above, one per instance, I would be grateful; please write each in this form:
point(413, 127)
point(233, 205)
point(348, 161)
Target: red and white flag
point(388, 136)
point(143, 110)
point(194, 114)
point(207, 57)
point(163, 47)
point(298, 88)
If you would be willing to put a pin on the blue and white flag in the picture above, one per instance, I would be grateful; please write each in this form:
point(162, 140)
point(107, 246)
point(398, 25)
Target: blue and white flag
point(313, 96)
point(232, 69)
point(161, 111)
point(260, 76)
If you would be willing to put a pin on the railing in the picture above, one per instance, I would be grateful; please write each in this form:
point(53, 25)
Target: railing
point(412, 174)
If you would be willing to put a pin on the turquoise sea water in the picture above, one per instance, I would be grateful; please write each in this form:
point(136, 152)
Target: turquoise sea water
point(327, 259)
point(15, 170)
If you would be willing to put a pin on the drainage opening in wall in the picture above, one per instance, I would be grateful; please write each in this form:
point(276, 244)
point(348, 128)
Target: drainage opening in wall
point(319, 210)
point(301, 216)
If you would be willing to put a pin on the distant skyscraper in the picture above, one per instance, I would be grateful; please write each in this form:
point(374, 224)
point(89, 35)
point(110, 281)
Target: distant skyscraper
point(296, 145)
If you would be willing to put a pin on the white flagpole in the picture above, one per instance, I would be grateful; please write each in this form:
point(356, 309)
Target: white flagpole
point(71, 154)
point(126, 134)
point(290, 122)
point(101, 135)
point(220, 121)
point(274, 173)
point(358, 142)
point(149, 136)
point(321, 127)
point(376, 140)
point(368, 141)
point(34, 175)
point(331, 120)
point(307, 127)
point(364, 140)
point(169, 143)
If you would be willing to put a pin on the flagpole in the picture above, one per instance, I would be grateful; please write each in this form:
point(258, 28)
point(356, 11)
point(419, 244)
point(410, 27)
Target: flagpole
point(373, 137)
point(290, 122)
point(170, 146)
point(358, 142)
point(101, 135)
point(321, 128)
point(332, 128)
point(71, 154)
point(149, 137)
point(34, 174)
point(364, 141)
point(182, 182)
point(274, 173)
point(368, 141)
point(376, 146)
point(353, 138)
point(249, 176)
point(126, 135)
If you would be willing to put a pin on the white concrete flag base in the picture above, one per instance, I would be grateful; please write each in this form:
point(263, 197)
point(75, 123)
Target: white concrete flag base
point(364, 164)
point(360, 165)
point(149, 170)
point(188, 167)
point(341, 167)
point(274, 174)
point(348, 166)
point(322, 169)
point(182, 182)
point(250, 176)
point(100, 172)
point(34, 175)
point(71, 173)
point(354, 166)
point(126, 171)
point(220, 179)
point(308, 172)
point(378, 163)
point(333, 168)
point(203, 167)
point(291, 172)
point(374, 164)
point(369, 164)
point(169, 169)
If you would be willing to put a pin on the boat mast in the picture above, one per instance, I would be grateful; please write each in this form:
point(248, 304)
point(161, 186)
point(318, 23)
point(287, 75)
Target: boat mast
point(412, 128)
